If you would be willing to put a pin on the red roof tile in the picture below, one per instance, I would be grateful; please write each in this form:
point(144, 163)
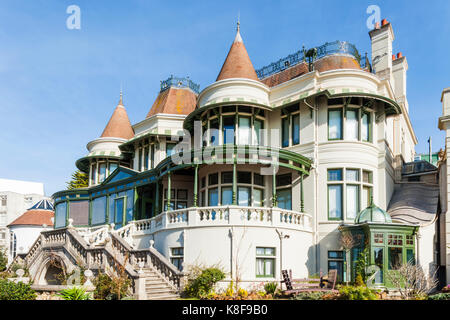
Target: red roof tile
point(174, 101)
point(34, 218)
point(119, 125)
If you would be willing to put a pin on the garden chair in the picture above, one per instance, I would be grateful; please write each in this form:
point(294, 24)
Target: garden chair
point(294, 286)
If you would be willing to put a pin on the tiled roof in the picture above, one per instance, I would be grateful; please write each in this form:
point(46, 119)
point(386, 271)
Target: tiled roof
point(286, 75)
point(119, 125)
point(237, 64)
point(174, 101)
point(34, 217)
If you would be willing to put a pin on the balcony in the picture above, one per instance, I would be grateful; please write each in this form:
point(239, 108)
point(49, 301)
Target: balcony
point(219, 216)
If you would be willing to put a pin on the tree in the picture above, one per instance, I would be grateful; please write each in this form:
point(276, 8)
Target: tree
point(79, 180)
point(411, 281)
point(3, 260)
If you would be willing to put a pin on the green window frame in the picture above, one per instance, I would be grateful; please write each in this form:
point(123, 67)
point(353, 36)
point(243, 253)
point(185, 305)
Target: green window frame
point(339, 134)
point(336, 259)
point(265, 262)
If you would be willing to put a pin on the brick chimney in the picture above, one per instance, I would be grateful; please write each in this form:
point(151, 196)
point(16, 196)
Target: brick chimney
point(382, 38)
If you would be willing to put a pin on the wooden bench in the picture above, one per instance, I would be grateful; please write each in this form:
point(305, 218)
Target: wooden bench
point(307, 284)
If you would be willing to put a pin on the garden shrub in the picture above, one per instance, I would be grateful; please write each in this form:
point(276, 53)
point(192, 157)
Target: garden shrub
point(357, 293)
point(203, 284)
point(3, 260)
point(440, 296)
point(10, 290)
point(271, 287)
point(74, 293)
point(107, 288)
point(312, 295)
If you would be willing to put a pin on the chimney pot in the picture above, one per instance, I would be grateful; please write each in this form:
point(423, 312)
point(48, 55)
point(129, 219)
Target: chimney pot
point(399, 55)
point(377, 25)
point(393, 57)
point(384, 22)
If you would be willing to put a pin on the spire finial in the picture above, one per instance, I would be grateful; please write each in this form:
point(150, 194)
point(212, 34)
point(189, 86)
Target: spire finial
point(238, 21)
point(121, 95)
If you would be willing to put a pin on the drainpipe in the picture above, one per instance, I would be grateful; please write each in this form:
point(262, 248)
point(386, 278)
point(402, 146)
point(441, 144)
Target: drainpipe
point(196, 186)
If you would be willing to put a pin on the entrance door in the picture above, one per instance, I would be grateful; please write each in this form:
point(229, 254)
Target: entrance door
point(147, 207)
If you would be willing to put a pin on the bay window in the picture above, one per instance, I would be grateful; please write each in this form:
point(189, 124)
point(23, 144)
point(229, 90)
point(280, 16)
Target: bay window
point(284, 191)
point(356, 122)
point(334, 124)
point(352, 124)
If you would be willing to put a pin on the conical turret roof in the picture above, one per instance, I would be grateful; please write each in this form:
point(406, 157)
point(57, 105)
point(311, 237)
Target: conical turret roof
point(238, 63)
point(119, 125)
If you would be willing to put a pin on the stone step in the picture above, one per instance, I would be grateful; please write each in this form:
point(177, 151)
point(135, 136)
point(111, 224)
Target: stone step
point(159, 291)
point(157, 285)
point(162, 296)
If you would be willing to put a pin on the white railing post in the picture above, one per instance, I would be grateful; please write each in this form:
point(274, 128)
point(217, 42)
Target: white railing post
point(276, 216)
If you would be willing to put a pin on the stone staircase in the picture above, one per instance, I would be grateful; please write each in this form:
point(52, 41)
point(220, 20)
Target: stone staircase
point(153, 276)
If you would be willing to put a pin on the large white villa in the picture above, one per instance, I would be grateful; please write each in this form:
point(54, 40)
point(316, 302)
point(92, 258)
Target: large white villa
point(283, 160)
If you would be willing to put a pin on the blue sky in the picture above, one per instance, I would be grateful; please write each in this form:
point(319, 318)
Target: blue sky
point(58, 87)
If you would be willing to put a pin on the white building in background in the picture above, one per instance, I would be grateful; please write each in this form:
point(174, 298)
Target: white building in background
point(337, 156)
point(16, 196)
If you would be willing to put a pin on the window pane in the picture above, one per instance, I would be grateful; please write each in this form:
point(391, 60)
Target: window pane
point(227, 196)
point(227, 177)
point(60, 215)
point(146, 150)
point(284, 180)
point(334, 124)
point(352, 201)
point(378, 258)
point(181, 204)
point(260, 251)
point(244, 130)
point(285, 132)
point(335, 201)
point(367, 193)
point(284, 199)
point(395, 258)
point(112, 167)
point(410, 256)
point(79, 212)
point(101, 172)
point(335, 175)
point(170, 149)
point(352, 125)
point(228, 129)
point(182, 194)
point(259, 267)
point(367, 177)
point(213, 197)
point(335, 254)
point(269, 251)
point(365, 126)
point(119, 207)
point(213, 131)
point(296, 129)
point(339, 266)
point(244, 177)
point(351, 175)
point(244, 196)
point(258, 125)
point(269, 267)
point(213, 179)
point(257, 197)
point(258, 179)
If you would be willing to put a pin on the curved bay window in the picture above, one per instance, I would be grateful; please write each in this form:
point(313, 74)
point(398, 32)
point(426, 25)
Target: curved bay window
point(240, 125)
point(101, 169)
point(351, 121)
point(217, 189)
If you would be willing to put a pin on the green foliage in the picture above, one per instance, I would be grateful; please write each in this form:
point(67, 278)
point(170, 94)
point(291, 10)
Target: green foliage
point(361, 264)
point(74, 293)
point(16, 291)
point(203, 284)
point(107, 288)
point(3, 260)
point(359, 281)
point(312, 295)
point(271, 287)
point(79, 180)
point(440, 296)
point(357, 293)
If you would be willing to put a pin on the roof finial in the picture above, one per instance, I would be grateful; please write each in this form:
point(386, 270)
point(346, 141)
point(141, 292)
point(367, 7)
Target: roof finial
point(238, 21)
point(121, 95)
point(238, 34)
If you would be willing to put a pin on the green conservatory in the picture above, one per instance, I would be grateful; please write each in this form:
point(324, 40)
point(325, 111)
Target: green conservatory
point(384, 244)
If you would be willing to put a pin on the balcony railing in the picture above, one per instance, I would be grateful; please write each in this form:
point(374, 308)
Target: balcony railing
point(326, 49)
point(221, 215)
point(179, 83)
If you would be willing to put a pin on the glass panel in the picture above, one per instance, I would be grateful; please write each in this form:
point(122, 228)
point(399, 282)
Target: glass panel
point(352, 201)
point(296, 129)
point(227, 177)
point(259, 267)
point(335, 255)
point(258, 125)
point(213, 131)
point(395, 258)
point(335, 175)
point(182, 194)
point(181, 205)
point(352, 125)
point(367, 177)
point(378, 259)
point(244, 196)
point(213, 179)
point(365, 126)
point(213, 197)
point(146, 150)
point(227, 196)
point(244, 177)
point(244, 130)
point(260, 251)
point(170, 149)
point(79, 212)
point(285, 132)
point(351, 175)
point(367, 192)
point(269, 251)
point(410, 258)
point(335, 201)
point(228, 129)
point(257, 197)
point(269, 267)
point(172, 205)
point(258, 179)
point(284, 180)
point(130, 205)
point(101, 172)
point(60, 215)
point(112, 167)
point(334, 124)
point(339, 266)
point(118, 212)
point(284, 199)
